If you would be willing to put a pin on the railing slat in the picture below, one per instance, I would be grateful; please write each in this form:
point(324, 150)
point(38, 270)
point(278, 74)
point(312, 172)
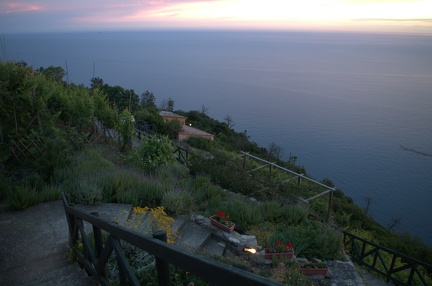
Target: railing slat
point(411, 264)
point(124, 267)
point(205, 268)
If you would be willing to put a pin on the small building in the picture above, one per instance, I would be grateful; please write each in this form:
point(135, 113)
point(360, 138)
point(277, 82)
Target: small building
point(187, 130)
point(168, 116)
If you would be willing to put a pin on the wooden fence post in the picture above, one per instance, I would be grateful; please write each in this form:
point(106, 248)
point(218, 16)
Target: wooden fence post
point(162, 268)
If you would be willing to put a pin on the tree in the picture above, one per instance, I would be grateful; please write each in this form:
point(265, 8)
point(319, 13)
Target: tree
point(394, 223)
point(52, 73)
point(122, 98)
point(274, 150)
point(148, 100)
point(172, 129)
point(167, 104)
point(204, 109)
point(229, 121)
point(170, 104)
point(126, 129)
point(96, 82)
point(369, 202)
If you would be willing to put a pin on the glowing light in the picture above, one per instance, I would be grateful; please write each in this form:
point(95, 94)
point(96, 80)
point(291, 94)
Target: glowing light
point(250, 250)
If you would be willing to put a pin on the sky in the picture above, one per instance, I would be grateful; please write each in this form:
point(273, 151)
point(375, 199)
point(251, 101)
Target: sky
point(29, 16)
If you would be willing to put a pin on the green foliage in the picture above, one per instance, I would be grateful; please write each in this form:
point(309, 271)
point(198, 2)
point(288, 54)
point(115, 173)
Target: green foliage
point(178, 202)
point(293, 214)
point(312, 240)
point(23, 196)
point(178, 277)
point(152, 152)
point(244, 213)
point(120, 97)
point(52, 73)
point(172, 129)
point(225, 173)
point(126, 129)
point(200, 143)
point(148, 100)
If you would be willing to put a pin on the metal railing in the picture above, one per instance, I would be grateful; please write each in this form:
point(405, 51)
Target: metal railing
point(95, 260)
point(385, 262)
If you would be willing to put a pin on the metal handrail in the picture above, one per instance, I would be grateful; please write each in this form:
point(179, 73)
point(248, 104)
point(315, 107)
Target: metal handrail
point(361, 249)
point(95, 261)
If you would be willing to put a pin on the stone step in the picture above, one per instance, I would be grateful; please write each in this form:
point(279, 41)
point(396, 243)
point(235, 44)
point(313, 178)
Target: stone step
point(192, 236)
point(118, 213)
point(180, 222)
point(213, 247)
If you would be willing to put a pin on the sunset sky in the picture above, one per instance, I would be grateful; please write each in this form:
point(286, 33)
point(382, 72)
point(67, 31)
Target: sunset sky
point(412, 16)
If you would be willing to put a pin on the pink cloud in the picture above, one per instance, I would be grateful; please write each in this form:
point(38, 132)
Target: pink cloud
point(11, 7)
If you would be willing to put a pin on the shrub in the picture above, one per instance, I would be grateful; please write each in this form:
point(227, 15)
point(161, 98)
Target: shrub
point(22, 197)
point(151, 193)
point(117, 184)
point(148, 220)
point(271, 211)
point(312, 240)
point(178, 202)
point(243, 213)
point(200, 143)
point(87, 192)
point(293, 214)
point(152, 153)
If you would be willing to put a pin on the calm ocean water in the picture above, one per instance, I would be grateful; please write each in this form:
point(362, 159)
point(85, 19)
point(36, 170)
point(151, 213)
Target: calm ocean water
point(344, 104)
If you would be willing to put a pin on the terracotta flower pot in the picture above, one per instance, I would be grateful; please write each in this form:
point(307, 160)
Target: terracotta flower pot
point(313, 271)
point(222, 226)
point(269, 253)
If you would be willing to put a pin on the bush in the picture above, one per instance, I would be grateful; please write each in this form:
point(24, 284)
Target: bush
point(151, 193)
point(22, 196)
point(293, 214)
point(152, 153)
point(271, 211)
point(178, 202)
point(243, 213)
point(200, 143)
point(312, 240)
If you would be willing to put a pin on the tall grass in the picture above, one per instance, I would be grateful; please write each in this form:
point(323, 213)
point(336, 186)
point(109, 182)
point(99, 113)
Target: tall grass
point(22, 196)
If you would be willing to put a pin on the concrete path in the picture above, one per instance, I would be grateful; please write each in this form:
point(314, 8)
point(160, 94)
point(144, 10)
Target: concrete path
point(34, 244)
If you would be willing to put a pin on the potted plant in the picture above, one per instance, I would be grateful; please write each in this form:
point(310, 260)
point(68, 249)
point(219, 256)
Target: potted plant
point(280, 250)
point(313, 268)
point(221, 221)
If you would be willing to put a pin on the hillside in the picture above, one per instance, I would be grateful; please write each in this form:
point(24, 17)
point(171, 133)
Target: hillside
point(57, 137)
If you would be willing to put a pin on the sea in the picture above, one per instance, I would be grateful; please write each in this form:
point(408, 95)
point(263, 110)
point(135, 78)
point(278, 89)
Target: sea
point(355, 108)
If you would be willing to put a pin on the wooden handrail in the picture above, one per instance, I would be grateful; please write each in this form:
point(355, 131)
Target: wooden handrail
point(360, 249)
point(205, 268)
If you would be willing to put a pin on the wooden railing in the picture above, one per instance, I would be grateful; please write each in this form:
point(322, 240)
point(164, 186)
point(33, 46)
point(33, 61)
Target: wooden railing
point(376, 258)
point(95, 260)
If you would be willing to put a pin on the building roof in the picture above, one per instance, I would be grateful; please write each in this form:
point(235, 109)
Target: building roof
point(164, 113)
point(187, 130)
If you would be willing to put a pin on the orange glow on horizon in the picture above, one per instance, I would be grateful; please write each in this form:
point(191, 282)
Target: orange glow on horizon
point(339, 15)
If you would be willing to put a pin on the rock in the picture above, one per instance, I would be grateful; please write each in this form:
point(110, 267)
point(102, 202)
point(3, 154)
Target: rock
point(302, 260)
point(199, 219)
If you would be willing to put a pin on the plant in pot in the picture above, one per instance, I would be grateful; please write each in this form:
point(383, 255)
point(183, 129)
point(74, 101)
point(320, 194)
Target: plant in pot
point(222, 221)
point(313, 268)
point(280, 250)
